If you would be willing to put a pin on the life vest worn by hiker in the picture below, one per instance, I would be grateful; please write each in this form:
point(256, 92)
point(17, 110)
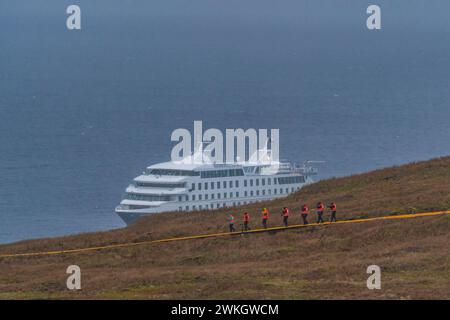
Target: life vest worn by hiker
point(285, 212)
point(265, 214)
point(246, 217)
point(305, 209)
point(230, 218)
point(320, 207)
point(333, 207)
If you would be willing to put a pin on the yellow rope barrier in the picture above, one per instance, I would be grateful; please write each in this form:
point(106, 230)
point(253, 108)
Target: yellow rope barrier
point(215, 235)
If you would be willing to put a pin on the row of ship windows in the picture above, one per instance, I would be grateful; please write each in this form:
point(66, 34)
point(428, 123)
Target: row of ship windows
point(250, 182)
point(171, 172)
point(202, 174)
point(213, 206)
point(224, 184)
point(146, 197)
point(221, 173)
point(214, 196)
point(159, 185)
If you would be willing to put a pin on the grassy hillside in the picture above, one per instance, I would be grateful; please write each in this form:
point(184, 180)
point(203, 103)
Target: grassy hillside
point(319, 262)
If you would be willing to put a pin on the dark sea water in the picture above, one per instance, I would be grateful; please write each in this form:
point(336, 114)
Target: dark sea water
point(83, 112)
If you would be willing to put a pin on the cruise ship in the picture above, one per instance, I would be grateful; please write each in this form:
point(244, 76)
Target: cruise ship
point(199, 184)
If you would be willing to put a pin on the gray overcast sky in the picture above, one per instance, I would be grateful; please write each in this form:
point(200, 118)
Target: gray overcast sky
point(410, 14)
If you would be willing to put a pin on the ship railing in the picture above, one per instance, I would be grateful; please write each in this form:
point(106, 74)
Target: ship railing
point(307, 171)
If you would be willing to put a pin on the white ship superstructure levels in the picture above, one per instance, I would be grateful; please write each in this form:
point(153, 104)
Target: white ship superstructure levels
point(186, 186)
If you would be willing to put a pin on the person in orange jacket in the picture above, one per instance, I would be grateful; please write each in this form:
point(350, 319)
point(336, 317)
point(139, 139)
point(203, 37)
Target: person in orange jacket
point(319, 210)
point(265, 217)
point(246, 221)
point(305, 212)
point(333, 209)
point(285, 214)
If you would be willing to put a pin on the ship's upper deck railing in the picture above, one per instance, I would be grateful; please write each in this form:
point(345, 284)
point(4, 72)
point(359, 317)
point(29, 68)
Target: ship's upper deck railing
point(306, 168)
point(307, 171)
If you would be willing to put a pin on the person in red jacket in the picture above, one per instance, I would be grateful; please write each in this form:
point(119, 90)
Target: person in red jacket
point(319, 210)
point(285, 214)
point(333, 209)
point(246, 221)
point(305, 212)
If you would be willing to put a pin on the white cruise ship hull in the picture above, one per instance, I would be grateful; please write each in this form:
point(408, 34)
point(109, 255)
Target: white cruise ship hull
point(128, 213)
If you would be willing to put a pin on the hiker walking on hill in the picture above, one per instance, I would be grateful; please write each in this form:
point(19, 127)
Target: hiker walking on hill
point(231, 222)
point(246, 221)
point(285, 214)
point(319, 210)
point(305, 212)
point(333, 209)
point(265, 217)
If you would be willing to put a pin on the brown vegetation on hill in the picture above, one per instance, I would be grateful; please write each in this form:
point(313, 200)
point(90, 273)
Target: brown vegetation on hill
point(319, 262)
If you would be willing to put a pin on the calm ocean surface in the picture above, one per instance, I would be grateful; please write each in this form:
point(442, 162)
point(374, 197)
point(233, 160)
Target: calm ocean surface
point(83, 112)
